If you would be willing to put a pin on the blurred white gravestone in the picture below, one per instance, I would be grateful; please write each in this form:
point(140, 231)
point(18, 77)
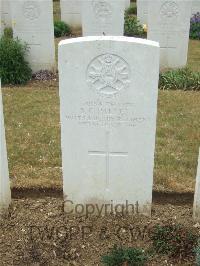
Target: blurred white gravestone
point(142, 11)
point(108, 94)
point(169, 24)
point(6, 14)
point(1, 24)
point(104, 17)
point(196, 206)
point(5, 194)
point(33, 24)
point(127, 3)
point(195, 6)
point(71, 12)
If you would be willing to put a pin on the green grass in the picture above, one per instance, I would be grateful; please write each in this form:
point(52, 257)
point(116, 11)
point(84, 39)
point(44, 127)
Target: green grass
point(177, 140)
point(194, 55)
point(33, 137)
point(56, 10)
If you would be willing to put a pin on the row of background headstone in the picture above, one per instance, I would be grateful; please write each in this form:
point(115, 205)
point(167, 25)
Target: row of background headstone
point(32, 22)
point(71, 11)
point(168, 23)
point(36, 27)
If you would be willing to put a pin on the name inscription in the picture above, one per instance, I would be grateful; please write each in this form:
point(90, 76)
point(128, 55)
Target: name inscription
point(101, 113)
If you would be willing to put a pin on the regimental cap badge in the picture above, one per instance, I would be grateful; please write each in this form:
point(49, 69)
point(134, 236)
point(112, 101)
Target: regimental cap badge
point(108, 74)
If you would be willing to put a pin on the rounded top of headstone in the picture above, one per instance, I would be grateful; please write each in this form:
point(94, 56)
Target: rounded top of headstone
point(109, 38)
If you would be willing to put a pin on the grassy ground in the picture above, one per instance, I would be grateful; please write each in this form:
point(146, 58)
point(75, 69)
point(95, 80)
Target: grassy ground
point(194, 55)
point(177, 140)
point(56, 10)
point(33, 137)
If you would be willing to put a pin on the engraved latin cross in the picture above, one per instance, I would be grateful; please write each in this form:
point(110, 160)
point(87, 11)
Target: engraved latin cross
point(107, 154)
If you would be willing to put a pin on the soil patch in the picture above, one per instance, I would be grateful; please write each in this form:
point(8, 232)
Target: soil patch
point(159, 197)
point(38, 232)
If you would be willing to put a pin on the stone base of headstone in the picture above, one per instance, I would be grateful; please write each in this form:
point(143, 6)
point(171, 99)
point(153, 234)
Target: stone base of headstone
point(5, 193)
point(196, 205)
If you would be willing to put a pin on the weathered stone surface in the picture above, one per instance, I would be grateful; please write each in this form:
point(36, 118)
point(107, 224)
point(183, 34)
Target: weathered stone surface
point(127, 3)
point(142, 11)
point(6, 14)
point(195, 6)
point(196, 206)
point(108, 99)
point(169, 24)
point(104, 17)
point(5, 194)
point(32, 22)
point(1, 27)
point(71, 12)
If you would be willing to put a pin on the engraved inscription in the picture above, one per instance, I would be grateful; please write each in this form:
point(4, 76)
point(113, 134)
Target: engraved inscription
point(31, 10)
point(169, 10)
point(106, 113)
point(102, 10)
point(108, 74)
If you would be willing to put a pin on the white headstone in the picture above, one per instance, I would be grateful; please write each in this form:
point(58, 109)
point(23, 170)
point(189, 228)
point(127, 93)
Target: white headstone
point(196, 206)
point(6, 14)
point(127, 3)
point(108, 94)
point(195, 6)
point(71, 12)
point(169, 24)
point(142, 11)
point(33, 23)
point(104, 17)
point(5, 194)
point(1, 24)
